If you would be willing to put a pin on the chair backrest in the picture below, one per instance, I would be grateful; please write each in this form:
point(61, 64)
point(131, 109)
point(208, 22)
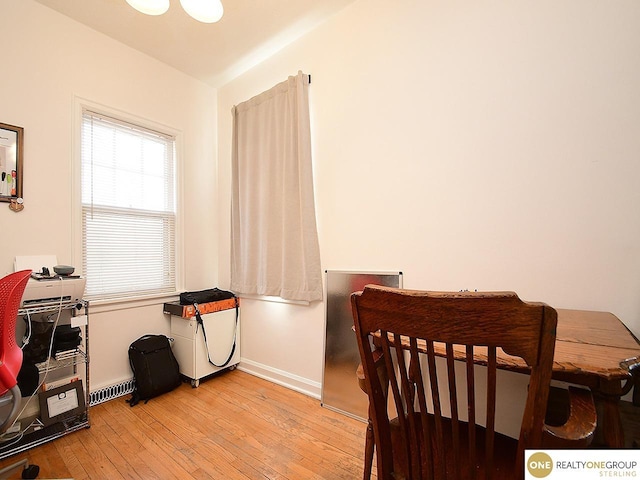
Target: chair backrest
point(11, 289)
point(472, 327)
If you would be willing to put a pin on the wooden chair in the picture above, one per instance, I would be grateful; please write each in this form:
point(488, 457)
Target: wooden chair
point(401, 332)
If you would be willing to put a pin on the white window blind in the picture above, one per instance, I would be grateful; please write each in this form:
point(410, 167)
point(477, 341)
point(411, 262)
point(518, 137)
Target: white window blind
point(128, 208)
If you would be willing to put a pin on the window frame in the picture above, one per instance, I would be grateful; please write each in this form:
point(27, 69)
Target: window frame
point(80, 105)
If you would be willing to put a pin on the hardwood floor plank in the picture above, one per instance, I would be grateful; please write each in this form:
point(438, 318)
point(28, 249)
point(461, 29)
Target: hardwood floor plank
point(234, 426)
point(92, 458)
point(72, 461)
point(113, 455)
point(277, 411)
point(329, 431)
point(193, 429)
point(123, 441)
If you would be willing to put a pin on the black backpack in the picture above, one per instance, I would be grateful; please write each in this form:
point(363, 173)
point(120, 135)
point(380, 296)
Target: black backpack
point(155, 368)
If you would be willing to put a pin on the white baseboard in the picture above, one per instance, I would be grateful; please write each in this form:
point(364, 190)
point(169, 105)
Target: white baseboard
point(280, 377)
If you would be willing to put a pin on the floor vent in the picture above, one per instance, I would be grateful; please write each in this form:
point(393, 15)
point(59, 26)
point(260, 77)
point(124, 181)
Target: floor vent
point(111, 392)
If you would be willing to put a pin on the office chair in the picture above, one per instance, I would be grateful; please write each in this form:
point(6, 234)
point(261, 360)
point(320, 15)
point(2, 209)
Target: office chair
point(11, 289)
point(401, 332)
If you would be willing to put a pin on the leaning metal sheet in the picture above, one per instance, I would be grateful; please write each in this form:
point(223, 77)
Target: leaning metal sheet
point(340, 390)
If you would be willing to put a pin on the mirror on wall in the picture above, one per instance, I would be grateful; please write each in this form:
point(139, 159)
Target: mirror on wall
point(11, 145)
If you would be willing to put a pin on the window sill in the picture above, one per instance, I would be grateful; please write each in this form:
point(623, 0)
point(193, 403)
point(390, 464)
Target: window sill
point(115, 304)
point(266, 298)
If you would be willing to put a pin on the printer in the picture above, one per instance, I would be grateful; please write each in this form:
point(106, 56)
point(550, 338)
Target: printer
point(43, 289)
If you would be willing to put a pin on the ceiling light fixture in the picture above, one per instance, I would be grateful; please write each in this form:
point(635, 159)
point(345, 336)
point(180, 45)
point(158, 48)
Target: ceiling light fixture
point(206, 11)
point(150, 7)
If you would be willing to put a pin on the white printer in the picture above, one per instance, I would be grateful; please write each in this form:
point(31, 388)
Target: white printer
point(43, 289)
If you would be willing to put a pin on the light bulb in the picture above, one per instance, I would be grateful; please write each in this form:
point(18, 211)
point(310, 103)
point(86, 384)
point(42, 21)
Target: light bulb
point(206, 11)
point(150, 7)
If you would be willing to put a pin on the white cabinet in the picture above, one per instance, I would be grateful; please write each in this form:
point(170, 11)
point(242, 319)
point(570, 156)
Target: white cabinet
point(198, 358)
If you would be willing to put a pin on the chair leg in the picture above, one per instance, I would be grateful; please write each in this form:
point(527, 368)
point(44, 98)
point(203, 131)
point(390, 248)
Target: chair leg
point(368, 451)
point(28, 471)
point(369, 443)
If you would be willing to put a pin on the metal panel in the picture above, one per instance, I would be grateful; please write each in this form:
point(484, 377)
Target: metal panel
point(340, 390)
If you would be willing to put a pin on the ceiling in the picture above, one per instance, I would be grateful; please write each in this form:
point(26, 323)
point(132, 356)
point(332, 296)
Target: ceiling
point(249, 32)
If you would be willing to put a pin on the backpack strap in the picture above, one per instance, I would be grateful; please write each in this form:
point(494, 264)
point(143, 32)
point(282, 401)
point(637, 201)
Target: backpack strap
point(204, 334)
point(135, 395)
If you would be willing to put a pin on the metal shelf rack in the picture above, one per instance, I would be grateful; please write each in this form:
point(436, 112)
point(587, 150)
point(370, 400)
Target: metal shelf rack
point(36, 433)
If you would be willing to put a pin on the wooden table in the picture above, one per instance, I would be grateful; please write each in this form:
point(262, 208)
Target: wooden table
point(596, 350)
point(593, 349)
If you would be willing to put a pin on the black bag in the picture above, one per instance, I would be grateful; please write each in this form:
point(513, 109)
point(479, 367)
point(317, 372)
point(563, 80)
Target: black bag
point(155, 368)
point(66, 337)
point(206, 296)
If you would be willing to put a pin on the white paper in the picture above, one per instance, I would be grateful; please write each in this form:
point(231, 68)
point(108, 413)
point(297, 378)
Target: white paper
point(62, 402)
point(79, 321)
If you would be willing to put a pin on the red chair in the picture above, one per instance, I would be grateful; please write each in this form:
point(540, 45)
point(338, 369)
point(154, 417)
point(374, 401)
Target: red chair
point(11, 289)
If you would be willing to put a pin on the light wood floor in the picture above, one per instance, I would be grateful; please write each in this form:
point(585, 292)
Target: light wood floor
point(233, 426)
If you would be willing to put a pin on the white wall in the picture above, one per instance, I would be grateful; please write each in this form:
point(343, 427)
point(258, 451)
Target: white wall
point(49, 61)
point(489, 146)
point(472, 145)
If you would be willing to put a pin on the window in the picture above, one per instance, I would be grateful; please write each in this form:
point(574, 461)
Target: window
point(128, 208)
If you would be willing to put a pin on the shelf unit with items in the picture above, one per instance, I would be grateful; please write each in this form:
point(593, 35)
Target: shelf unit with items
point(54, 379)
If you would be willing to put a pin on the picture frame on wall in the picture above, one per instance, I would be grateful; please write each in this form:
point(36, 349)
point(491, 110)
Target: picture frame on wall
point(11, 162)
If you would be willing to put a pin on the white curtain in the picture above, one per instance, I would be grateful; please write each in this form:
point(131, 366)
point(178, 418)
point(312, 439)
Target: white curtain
point(274, 239)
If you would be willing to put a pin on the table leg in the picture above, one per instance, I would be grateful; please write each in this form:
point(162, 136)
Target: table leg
point(610, 392)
